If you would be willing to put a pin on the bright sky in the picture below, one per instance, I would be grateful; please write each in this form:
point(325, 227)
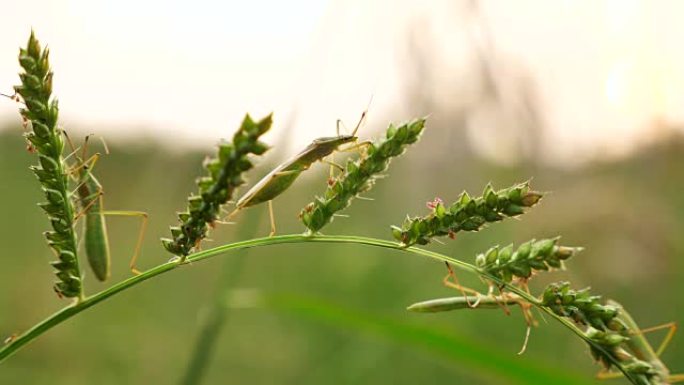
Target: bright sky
point(189, 70)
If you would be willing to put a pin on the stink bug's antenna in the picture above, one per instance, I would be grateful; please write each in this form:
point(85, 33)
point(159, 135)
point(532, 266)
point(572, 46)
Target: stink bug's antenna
point(363, 117)
point(14, 97)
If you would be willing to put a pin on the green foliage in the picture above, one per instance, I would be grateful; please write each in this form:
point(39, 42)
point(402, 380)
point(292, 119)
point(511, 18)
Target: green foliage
point(505, 263)
point(41, 111)
point(215, 189)
point(360, 175)
point(466, 214)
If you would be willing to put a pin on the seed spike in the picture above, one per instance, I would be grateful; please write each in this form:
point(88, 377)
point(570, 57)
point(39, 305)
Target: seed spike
point(224, 176)
point(42, 111)
point(360, 175)
point(468, 214)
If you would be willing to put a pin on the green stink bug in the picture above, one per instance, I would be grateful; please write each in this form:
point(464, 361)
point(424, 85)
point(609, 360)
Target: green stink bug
point(284, 175)
point(89, 196)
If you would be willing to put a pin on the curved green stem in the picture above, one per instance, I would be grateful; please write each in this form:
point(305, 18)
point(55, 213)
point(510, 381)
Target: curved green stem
point(69, 311)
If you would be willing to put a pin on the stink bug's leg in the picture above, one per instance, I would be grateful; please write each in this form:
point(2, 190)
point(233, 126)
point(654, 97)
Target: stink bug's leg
point(197, 246)
point(358, 125)
point(104, 145)
point(270, 213)
point(11, 338)
point(604, 374)
point(674, 378)
point(333, 165)
point(141, 234)
point(85, 164)
point(526, 307)
point(84, 150)
point(283, 173)
point(228, 217)
point(672, 326)
point(451, 275)
point(364, 198)
point(363, 144)
point(72, 153)
point(73, 149)
point(523, 285)
point(527, 313)
point(337, 126)
point(503, 303)
point(527, 339)
point(96, 197)
point(69, 142)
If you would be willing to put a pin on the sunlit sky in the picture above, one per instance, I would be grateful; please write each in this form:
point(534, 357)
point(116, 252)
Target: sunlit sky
point(188, 70)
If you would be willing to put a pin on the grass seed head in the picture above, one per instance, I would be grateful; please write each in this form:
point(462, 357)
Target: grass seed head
point(224, 176)
point(360, 175)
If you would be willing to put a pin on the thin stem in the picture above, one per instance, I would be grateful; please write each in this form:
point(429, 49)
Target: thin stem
point(76, 308)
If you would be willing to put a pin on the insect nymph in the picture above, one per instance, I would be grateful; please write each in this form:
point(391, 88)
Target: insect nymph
point(89, 195)
point(284, 175)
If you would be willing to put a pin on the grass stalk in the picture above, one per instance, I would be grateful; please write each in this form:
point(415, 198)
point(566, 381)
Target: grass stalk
point(70, 311)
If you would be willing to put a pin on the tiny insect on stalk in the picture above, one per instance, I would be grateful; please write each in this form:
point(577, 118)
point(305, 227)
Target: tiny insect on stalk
point(284, 175)
point(89, 195)
point(450, 280)
point(509, 265)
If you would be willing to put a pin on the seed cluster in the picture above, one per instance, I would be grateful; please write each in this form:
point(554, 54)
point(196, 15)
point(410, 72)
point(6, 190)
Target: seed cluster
point(217, 188)
point(466, 214)
point(531, 256)
point(42, 111)
point(360, 175)
point(603, 327)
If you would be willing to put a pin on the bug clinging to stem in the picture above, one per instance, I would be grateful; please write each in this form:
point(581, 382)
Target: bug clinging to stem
point(89, 195)
point(284, 175)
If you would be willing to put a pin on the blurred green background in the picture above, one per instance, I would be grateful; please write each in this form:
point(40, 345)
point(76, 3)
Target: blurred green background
point(335, 314)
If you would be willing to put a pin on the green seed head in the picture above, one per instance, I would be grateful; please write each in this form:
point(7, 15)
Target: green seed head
point(359, 176)
point(467, 213)
point(42, 112)
point(224, 176)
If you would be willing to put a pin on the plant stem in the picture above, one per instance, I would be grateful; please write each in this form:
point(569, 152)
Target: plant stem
point(76, 308)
